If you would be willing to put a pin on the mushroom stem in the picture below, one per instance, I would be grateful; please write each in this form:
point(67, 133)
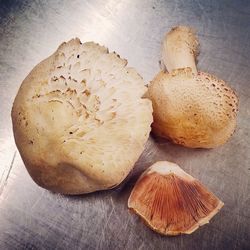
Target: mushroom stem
point(180, 48)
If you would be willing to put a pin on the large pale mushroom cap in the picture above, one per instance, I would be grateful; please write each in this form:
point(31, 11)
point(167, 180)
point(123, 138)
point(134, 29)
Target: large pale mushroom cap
point(193, 110)
point(79, 119)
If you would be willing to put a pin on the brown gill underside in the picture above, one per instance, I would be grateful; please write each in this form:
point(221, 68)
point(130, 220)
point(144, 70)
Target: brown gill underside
point(172, 205)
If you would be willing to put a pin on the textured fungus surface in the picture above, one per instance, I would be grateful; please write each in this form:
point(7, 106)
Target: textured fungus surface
point(79, 120)
point(193, 110)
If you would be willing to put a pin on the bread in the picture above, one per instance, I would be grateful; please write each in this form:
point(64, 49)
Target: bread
point(79, 120)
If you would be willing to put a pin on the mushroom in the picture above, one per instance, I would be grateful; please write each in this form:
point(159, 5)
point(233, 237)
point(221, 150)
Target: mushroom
point(172, 202)
point(180, 49)
point(79, 119)
point(194, 109)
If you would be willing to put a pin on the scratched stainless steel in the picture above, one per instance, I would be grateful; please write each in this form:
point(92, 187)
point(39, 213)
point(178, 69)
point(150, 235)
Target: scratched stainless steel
point(33, 218)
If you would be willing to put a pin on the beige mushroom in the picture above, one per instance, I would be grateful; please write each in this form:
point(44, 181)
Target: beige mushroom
point(180, 49)
point(79, 119)
point(172, 202)
point(194, 109)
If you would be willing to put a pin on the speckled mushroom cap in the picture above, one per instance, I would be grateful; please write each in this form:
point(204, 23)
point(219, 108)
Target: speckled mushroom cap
point(79, 119)
point(193, 110)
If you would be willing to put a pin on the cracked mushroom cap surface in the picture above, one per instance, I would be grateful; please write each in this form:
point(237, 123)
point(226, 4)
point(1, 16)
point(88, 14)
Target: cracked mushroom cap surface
point(79, 119)
point(172, 202)
point(194, 110)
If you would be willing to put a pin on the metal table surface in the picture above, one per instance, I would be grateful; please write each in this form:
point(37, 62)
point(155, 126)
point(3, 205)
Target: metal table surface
point(34, 218)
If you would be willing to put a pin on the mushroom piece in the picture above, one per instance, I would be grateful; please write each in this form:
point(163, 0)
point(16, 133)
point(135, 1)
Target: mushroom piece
point(172, 202)
point(180, 49)
point(194, 109)
point(79, 119)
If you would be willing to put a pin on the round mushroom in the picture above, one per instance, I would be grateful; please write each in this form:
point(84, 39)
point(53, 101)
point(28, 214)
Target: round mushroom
point(79, 119)
point(194, 109)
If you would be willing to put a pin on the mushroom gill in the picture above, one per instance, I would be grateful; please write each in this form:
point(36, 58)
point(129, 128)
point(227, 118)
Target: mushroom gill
point(171, 202)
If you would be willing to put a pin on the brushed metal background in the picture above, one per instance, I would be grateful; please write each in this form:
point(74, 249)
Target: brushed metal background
point(33, 218)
